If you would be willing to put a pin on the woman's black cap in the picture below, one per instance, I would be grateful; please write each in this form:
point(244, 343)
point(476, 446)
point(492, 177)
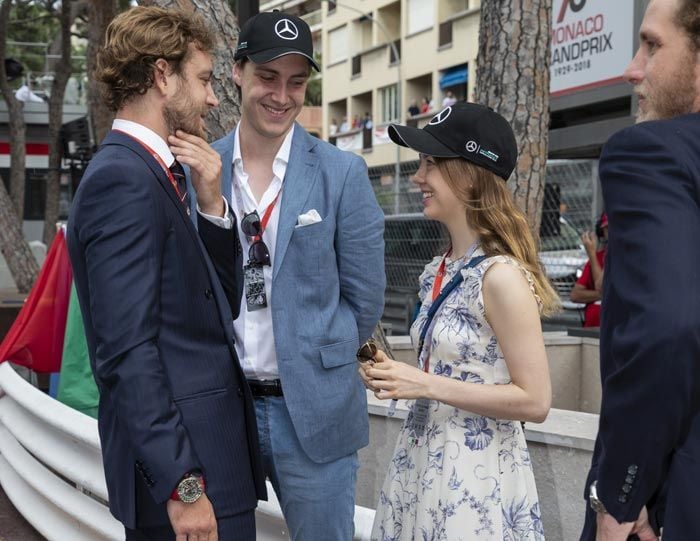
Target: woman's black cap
point(464, 130)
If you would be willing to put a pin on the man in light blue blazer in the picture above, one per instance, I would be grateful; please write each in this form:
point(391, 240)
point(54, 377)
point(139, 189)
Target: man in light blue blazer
point(314, 283)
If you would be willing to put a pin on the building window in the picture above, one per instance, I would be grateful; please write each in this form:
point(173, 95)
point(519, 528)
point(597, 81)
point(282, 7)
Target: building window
point(420, 15)
point(337, 45)
point(389, 104)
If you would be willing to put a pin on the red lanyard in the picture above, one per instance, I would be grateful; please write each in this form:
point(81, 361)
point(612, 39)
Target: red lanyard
point(160, 161)
point(267, 214)
point(437, 284)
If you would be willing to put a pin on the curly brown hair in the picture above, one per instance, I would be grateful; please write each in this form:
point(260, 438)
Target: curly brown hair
point(135, 40)
point(688, 18)
point(502, 227)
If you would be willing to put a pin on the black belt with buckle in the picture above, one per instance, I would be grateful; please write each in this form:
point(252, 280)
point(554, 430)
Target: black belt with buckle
point(265, 387)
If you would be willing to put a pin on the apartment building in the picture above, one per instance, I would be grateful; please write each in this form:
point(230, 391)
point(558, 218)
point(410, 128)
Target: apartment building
point(381, 57)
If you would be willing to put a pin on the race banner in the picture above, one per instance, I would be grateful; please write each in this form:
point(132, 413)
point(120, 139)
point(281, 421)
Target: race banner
point(592, 43)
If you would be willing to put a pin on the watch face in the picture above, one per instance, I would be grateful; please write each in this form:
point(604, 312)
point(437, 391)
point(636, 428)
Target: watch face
point(597, 505)
point(190, 489)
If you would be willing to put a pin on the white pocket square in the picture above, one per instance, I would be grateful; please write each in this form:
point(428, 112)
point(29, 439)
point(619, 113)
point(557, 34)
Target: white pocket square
point(308, 218)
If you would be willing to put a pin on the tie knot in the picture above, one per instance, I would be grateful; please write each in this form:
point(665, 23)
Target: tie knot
point(177, 170)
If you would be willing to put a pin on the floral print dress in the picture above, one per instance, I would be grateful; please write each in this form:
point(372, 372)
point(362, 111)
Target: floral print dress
point(469, 477)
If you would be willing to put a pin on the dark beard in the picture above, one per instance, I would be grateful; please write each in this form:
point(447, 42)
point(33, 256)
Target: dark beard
point(179, 117)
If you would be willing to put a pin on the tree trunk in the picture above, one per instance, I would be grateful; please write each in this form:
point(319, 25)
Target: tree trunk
point(220, 18)
point(513, 78)
point(100, 14)
point(62, 71)
point(17, 127)
point(14, 247)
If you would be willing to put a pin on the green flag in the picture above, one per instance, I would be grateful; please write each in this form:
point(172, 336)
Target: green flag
point(76, 385)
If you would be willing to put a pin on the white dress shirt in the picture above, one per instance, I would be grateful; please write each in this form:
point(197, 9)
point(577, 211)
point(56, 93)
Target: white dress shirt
point(156, 143)
point(146, 136)
point(255, 343)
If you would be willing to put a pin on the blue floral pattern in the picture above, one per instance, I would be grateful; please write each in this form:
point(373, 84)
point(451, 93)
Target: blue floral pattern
point(470, 477)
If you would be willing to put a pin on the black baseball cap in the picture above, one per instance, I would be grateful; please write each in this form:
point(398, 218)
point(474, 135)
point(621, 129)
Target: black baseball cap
point(464, 130)
point(272, 34)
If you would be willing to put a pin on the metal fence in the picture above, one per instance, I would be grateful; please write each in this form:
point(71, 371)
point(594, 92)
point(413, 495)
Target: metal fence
point(571, 205)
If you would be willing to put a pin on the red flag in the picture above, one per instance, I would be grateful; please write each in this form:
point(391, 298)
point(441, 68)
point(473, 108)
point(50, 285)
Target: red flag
point(35, 339)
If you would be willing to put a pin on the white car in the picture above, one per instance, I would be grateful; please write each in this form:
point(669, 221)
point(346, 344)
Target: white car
point(563, 258)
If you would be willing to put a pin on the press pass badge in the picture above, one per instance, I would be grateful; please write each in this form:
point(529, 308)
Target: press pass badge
point(254, 286)
point(418, 421)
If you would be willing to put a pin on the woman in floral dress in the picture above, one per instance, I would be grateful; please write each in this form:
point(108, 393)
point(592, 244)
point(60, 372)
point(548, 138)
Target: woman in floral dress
point(461, 468)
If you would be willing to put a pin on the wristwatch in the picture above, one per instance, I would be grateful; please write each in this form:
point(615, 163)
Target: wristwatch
point(189, 489)
point(594, 501)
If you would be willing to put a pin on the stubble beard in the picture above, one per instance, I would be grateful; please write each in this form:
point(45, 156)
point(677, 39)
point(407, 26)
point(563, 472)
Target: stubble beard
point(183, 114)
point(674, 98)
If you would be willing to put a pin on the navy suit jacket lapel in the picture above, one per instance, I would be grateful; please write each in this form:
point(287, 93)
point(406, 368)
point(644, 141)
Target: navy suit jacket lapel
point(298, 183)
point(127, 141)
point(115, 138)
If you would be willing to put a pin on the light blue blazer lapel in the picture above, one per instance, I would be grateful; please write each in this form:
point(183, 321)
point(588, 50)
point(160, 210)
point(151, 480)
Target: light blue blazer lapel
point(299, 180)
point(224, 147)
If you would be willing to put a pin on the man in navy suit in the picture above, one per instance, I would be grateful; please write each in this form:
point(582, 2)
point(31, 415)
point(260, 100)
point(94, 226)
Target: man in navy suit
point(314, 280)
point(176, 418)
point(646, 465)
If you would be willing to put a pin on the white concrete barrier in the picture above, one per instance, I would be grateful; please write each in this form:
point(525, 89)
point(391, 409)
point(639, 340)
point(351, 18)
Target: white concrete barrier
point(51, 467)
point(51, 470)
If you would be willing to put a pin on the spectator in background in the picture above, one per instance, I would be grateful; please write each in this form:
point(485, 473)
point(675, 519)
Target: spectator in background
point(449, 99)
point(589, 287)
point(425, 105)
point(356, 124)
point(367, 122)
point(413, 109)
point(333, 128)
point(344, 125)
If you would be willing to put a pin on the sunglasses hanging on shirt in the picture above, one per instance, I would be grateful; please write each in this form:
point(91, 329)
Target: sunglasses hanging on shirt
point(258, 257)
point(258, 253)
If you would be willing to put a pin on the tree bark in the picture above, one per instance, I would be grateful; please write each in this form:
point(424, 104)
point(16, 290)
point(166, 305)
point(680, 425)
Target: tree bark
point(14, 247)
point(513, 78)
point(15, 110)
point(100, 14)
point(62, 71)
point(220, 18)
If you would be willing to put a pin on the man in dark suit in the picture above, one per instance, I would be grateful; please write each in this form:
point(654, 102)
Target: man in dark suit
point(176, 417)
point(646, 465)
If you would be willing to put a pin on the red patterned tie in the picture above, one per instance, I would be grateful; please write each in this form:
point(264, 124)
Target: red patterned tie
point(179, 175)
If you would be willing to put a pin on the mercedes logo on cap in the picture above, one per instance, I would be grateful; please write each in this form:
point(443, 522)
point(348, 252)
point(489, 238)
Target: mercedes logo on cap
point(440, 117)
point(471, 146)
point(286, 29)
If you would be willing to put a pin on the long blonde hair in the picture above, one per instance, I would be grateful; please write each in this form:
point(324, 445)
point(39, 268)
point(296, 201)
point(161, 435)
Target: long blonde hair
point(500, 224)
